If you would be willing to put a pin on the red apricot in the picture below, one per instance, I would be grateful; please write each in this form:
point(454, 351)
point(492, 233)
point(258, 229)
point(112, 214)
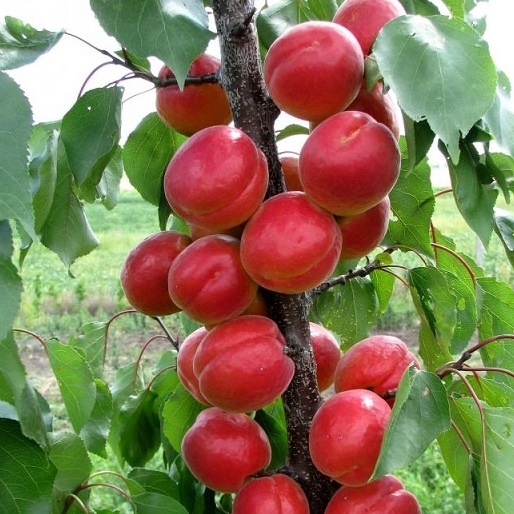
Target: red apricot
point(222, 449)
point(326, 354)
point(197, 106)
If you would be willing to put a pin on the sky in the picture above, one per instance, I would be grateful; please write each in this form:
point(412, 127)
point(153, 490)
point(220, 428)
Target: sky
point(53, 82)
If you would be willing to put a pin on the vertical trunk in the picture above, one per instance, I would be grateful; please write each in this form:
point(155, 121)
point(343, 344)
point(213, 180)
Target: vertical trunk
point(255, 114)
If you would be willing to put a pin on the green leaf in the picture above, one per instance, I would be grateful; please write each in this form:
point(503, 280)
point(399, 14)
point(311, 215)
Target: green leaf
point(437, 306)
point(26, 473)
point(75, 380)
point(66, 230)
point(358, 300)
point(504, 228)
point(277, 435)
point(440, 70)
point(69, 455)
point(15, 127)
point(501, 168)
point(17, 391)
point(108, 189)
point(412, 205)
point(497, 475)
point(500, 117)
point(178, 414)
point(146, 154)
point(10, 281)
point(90, 131)
point(152, 481)
point(155, 503)
point(21, 44)
point(91, 341)
point(139, 436)
point(274, 19)
point(419, 138)
point(455, 457)
point(96, 429)
point(423, 7)
point(292, 130)
point(175, 31)
point(383, 283)
point(474, 200)
point(420, 413)
point(43, 174)
point(496, 316)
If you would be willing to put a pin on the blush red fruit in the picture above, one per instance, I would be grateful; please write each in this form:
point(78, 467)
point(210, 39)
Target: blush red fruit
point(349, 163)
point(241, 365)
point(346, 435)
point(290, 244)
point(144, 274)
point(326, 354)
point(217, 179)
point(223, 449)
point(197, 106)
point(314, 70)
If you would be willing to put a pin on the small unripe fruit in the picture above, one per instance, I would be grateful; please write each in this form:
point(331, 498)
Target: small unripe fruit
point(346, 435)
point(144, 274)
point(217, 179)
point(276, 494)
point(209, 282)
point(197, 106)
point(314, 70)
point(223, 449)
point(385, 495)
point(290, 245)
point(241, 365)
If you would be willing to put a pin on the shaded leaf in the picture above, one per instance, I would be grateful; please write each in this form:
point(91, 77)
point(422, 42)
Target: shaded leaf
point(108, 189)
point(91, 341)
point(26, 473)
point(75, 380)
point(412, 205)
point(67, 231)
point(155, 503)
point(175, 31)
point(15, 127)
point(69, 455)
point(178, 414)
point(22, 44)
point(440, 70)
point(358, 301)
point(17, 391)
point(90, 131)
point(424, 7)
point(277, 435)
point(419, 137)
point(152, 481)
point(95, 431)
point(504, 228)
point(139, 430)
point(146, 154)
point(420, 413)
point(383, 283)
point(10, 281)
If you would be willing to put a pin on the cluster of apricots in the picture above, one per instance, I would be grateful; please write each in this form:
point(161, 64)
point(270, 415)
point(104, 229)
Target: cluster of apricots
point(335, 208)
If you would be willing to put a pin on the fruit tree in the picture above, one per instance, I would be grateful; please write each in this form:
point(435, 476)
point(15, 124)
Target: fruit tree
point(279, 393)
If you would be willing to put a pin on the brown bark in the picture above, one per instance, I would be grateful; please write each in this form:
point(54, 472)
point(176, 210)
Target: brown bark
point(255, 114)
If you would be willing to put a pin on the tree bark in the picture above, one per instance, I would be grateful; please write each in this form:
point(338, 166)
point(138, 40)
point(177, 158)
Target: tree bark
point(255, 113)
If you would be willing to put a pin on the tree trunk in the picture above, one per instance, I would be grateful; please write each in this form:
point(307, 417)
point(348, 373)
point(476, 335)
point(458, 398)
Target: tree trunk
point(255, 113)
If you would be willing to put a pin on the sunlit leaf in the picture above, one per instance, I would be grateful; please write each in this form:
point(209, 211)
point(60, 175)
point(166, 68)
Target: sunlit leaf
point(175, 31)
point(420, 414)
point(22, 44)
point(440, 70)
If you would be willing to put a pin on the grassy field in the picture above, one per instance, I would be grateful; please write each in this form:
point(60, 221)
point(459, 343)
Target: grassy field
point(55, 305)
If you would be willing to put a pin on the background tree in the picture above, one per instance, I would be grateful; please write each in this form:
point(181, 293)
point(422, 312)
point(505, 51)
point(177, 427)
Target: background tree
point(450, 92)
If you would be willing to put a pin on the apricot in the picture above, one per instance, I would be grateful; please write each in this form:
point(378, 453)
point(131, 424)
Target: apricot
point(197, 106)
point(222, 449)
point(290, 244)
point(217, 179)
point(314, 70)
